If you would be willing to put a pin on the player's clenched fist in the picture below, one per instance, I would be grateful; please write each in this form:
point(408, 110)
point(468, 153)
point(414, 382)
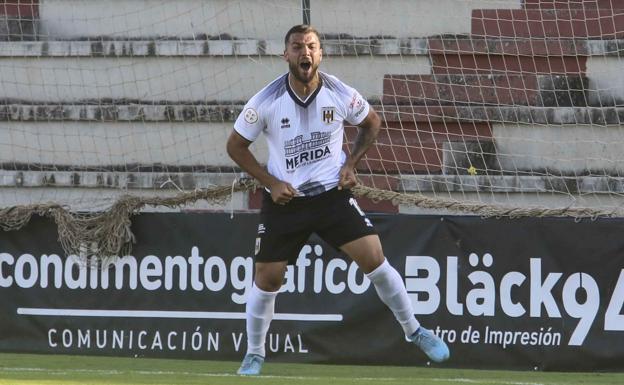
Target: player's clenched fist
point(282, 192)
point(347, 178)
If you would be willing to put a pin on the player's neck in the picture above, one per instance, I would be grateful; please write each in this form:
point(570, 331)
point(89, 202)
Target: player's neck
point(303, 90)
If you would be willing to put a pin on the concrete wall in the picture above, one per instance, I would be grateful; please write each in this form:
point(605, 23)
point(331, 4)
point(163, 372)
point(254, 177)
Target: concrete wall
point(606, 82)
point(102, 144)
point(211, 78)
point(400, 18)
point(252, 19)
point(563, 149)
point(66, 19)
point(521, 200)
point(97, 199)
point(223, 51)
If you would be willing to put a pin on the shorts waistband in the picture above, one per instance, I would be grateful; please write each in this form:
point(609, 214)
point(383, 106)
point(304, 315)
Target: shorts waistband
point(297, 201)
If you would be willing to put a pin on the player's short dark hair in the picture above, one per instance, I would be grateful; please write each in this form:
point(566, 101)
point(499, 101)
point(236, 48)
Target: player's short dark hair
point(301, 28)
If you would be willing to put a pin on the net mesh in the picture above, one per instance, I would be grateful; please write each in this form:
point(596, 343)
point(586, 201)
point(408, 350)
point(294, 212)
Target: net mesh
point(489, 107)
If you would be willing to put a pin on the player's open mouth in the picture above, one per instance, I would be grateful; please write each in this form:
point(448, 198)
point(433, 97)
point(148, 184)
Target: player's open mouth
point(305, 66)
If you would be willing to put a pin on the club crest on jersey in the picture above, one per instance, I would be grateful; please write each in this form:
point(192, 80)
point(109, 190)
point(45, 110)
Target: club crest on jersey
point(251, 116)
point(328, 114)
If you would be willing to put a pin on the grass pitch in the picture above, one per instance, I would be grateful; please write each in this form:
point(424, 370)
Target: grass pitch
point(22, 369)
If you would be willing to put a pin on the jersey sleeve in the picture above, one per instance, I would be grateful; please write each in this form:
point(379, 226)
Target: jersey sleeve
point(357, 107)
point(250, 122)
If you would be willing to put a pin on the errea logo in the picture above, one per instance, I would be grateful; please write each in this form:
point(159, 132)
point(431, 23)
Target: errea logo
point(285, 123)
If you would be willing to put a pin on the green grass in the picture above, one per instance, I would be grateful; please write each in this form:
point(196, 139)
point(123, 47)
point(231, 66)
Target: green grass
point(22, 369)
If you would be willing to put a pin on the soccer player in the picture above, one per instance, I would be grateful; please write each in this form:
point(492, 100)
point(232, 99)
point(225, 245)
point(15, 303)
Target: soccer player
point(307, 181)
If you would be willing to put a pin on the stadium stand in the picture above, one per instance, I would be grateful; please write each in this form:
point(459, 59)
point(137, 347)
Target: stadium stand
point(514, 102)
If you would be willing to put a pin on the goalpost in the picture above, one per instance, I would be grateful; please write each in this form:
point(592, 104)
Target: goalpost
point(489, 107)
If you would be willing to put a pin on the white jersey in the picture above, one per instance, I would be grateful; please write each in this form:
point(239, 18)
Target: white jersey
point(305, 137)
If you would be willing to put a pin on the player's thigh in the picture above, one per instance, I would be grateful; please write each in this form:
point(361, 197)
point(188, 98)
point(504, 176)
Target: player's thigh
point(282, 232)
point(365, 251)
point(347, 228)
point(276, 251)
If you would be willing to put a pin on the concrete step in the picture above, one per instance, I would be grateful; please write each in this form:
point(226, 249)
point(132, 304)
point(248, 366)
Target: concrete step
point(202, 180)
point(561, 184)
point(598, 116)
point(415, 147)
point(580, 23)
point(501, 90)
point(469, 157)
point(505, 55)
point(19, 20)
point(226, 112)
point(410, 143)
point(596, 60)
point(231, 46)
point(571, 4)
point(185, 70)
point(496, 46)
point(257, 18)
point(17, 29)
point(20, 8)
point(122, 179)
point(499, 64)
point(90, 194)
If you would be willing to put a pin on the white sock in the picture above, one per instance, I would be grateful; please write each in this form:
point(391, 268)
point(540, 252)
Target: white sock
point(390, 288)
point(259, 312)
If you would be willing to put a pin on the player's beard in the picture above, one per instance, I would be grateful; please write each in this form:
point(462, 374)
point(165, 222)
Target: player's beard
point(300, 74)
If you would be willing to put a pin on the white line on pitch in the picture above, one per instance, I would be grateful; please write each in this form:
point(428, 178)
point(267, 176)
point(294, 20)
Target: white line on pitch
point(304, 378)
point(170, 314)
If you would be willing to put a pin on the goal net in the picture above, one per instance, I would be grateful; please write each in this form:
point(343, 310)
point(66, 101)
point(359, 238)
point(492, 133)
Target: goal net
point(489, 107)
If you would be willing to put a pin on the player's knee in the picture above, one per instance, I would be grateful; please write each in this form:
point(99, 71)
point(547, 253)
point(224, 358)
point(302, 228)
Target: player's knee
point(269, 279)
point(374, 262)
point(268, 284)
point(369, 262)
point(375, 255)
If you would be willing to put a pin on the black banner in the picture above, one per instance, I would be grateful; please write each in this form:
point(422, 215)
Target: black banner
point(529, 293)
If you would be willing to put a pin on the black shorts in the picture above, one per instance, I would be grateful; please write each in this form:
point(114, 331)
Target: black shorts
point(284, 229)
